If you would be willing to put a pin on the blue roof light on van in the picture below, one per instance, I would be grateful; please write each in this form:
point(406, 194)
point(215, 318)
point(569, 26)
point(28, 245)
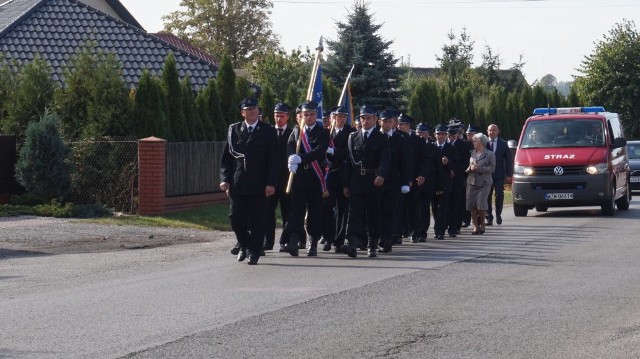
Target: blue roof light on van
point(565, 110)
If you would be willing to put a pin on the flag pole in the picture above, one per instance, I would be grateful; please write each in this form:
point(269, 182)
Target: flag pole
point(312, 80)
point(344, 88)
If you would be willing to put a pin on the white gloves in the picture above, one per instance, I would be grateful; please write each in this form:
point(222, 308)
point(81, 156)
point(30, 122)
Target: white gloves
point(292, 168)
point(294, 159)
point(404, 189)
point(330, 150)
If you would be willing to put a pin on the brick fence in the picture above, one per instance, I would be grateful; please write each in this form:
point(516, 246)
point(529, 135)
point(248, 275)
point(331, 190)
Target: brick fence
point(152, 183)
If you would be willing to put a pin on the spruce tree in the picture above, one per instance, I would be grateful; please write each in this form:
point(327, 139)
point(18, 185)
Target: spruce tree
point(227, 91)
point(194, 125)
point(375, 79)
point(42, 167)
point(214, 111)
point(173, 95)
point(148, 115)
point(28, 99)
point(267, 103)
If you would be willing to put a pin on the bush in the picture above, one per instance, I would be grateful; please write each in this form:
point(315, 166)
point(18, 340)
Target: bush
point(70, 210)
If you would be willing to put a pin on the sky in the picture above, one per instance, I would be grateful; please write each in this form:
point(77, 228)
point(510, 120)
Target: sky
point(553, 36)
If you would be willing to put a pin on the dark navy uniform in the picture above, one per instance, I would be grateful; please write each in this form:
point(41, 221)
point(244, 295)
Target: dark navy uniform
point(443, 200)
point(430, 168)
point(368, 158)
point(280, 196)
point(307, 187)
point(397, 179)
point(463, 154)
point(335, 206)
point(248, 165)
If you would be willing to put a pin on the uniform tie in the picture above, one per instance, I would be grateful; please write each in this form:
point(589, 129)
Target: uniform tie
point(280, 132)
point(250, 129)
point(366, 135)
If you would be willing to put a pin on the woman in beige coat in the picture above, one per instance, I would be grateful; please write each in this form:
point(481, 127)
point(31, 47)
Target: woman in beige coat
point(481, 166)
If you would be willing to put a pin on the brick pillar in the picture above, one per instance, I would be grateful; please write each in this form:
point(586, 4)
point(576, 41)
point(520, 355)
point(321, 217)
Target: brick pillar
point(151, 176)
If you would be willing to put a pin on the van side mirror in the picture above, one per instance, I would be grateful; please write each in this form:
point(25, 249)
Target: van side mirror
point(619, 142)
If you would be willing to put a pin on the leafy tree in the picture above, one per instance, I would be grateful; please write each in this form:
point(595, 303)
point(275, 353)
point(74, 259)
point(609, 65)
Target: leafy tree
point(293, 99)
point(42, 166)
point(540, 98)
point(147, 109)
point(237, 28)
point(227, 91)
point(548, 83)
point(457, 58)
point(424, 103)
point(94, 100)
point(267, 103)
point(611, 74)
point(31, 93)
point(375, 78)
point(572, 97)
point(7, 80)
point(194, 124)
point(214, 111)
point(490, 65)
point(330, 94)
point(277, 70)
point(173, 95)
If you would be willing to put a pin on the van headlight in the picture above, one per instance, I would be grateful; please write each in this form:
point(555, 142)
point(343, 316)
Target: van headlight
point(598, 169)
point(523, 170)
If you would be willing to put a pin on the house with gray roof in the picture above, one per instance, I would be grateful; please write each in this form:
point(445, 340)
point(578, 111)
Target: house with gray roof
point(57, 29)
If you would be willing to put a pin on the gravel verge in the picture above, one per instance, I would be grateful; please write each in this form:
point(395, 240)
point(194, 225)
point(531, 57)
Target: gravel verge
point(28, 235)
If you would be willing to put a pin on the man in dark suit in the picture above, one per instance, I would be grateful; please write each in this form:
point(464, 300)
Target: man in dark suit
point(448, 164)
point(409, 202)
point(428, 182)
point(334, 207)
point(248, 173)
point(364, 177)
point(502, 173)
point(281, 117)
point(463, 153)
point(397, 182)
point(308, 186)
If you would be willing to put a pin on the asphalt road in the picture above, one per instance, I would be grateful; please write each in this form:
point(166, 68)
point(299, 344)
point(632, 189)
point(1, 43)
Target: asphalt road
point(563, 284)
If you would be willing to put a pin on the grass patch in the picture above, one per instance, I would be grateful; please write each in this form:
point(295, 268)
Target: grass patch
point(213, 217)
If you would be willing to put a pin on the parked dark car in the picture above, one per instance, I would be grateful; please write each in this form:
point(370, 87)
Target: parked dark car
point(633, 149)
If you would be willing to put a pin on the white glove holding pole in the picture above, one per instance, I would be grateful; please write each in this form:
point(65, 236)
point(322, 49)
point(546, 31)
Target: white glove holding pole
point(330, 150)
point(292, 168)
point(404, 189)
point(294, 159)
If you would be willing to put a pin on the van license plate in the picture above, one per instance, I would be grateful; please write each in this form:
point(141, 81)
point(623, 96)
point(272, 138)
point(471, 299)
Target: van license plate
point(635, 179)
point(552, 196)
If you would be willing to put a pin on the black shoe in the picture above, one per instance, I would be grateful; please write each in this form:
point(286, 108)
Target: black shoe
point(386, 248)
point(284, 248)
point(465, 225)
point(262, 253)
point(236, 249)
point(371, 253)
point(242, 256)
point(326, 247)
point(422, 239)
point(337, 249)
point(302, 244)
point(439, 236)
point(414, 239)
point(499, 219)
point(351, 252)
point(323, 241)
point(490, 222)
point(293, 248)
point(452, 235)
point(312, 252)
point(253, 259)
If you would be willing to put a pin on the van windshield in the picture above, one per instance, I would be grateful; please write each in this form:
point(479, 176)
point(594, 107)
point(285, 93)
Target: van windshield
point(571, 133)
